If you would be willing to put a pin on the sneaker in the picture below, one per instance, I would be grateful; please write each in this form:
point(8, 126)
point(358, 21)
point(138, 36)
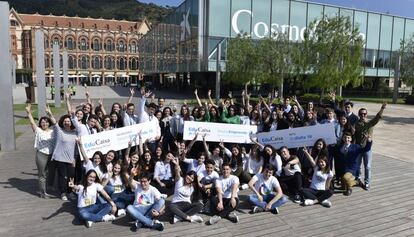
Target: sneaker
point(108, 217)
point(348, 192)
point(158, 225)
point(89, 224)
point(213, 220)
point(257, 209)
point(164, 196)
point(196, 219)
point(63, 197)
point(244, 186)
point(366, 187)
point(275, 211)
point(73, 196)
point(138, 225)
point(121, 212)
point(308, 202)
point(296, 198)
point(326, 203)
point(176, 219)
point(233, 217)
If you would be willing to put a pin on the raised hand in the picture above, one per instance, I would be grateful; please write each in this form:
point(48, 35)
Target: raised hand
point(29, 108)
point(195, 92)
point(209, 93)
point(47, 110)
point(384, 105)
point(132, 91)
point(71, 183)
point(230, 94)
point(100, 102)
point(147, 94)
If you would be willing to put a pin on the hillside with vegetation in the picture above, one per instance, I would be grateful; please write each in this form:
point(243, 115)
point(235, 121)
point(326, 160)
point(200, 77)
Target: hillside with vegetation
point(131, 10)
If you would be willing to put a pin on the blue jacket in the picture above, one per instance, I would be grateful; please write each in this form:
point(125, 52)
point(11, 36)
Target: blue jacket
point(348, 161)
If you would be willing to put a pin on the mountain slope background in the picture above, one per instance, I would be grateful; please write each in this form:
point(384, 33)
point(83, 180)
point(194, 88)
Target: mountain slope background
point(131, 10)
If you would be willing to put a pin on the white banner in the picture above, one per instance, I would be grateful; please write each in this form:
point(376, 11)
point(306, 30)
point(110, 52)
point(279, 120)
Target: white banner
point(298, 137)
point(215, 132)
point(117, 139)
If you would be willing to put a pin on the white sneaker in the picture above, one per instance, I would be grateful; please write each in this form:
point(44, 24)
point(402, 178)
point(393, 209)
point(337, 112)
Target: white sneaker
point(63, 197)
point(164, 196)
point(308, 202)
point(89, 224)
point(121, 212)
point(196, 219)
point(326, 203)
point(233, 217)
point(108, 217)
point(244, 186)
point(176, 219)
point(213, 220)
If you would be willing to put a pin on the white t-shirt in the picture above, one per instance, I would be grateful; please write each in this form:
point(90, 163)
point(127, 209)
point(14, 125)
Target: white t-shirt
point(226, 185)
point(44, 140)
point(117, 184)
point(145, 197)
point(291, 171)
point(208, 178)
point(89, 165)
point(253, 166)
point(193, 165)
point(162, 170)
point(319, 179)
point(276, 162)
point(265, 187)
point(91, 194)
point(182, 193)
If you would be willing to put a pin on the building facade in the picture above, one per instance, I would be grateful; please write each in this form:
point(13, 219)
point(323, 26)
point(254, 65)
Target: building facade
point(100, 51)
point(188, 38)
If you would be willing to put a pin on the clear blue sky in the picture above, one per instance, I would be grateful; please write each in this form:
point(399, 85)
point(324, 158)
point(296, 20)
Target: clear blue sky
point(393, 7)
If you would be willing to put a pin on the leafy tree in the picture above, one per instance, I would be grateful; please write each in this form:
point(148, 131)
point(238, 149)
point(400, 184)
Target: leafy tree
point(407, 62)
point(334, 49)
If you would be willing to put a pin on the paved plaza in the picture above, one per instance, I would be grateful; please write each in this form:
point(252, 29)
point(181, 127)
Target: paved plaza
point(387, 209)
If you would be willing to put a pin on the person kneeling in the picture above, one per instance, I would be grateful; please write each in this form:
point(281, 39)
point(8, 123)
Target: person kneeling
point(148, 203)
point(227, 199)
point(268, 195)
point(87, 193)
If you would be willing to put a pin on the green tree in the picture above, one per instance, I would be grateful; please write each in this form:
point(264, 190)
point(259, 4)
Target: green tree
point(407, 62)
point(334, 49)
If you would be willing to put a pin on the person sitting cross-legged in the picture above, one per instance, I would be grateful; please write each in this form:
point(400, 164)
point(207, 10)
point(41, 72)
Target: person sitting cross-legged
point(267, 193)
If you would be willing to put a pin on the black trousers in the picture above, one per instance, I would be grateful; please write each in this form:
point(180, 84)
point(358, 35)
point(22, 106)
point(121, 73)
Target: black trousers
point(320, 195)
point(184, 209)
point(169, 186)
point(64, 172)
point(227, 208)
point(291, 184)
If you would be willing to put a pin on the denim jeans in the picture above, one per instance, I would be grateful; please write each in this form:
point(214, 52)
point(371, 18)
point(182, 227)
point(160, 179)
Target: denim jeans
point(266, 199)
point(365, 157)
point(122, 199)
point(142, 213)
point(94, 212)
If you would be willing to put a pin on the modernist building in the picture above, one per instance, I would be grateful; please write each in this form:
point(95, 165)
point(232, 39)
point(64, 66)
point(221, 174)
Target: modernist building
point(100, 51)
point(187, 40)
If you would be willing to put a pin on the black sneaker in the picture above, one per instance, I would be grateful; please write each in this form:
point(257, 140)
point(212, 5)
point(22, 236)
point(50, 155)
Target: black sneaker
point(257, 209)
point(275, 211)
point(348, 192)
point(297, 198)
point(158, 226)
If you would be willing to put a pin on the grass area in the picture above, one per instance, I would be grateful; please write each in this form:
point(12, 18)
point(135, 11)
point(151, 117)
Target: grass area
point(376, 100)
point(18, 134)
point(25, 121)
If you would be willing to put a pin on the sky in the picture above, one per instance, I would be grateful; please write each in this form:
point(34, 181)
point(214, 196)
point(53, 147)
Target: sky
point(394, 7)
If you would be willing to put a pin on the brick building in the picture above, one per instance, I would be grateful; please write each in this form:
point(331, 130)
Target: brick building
point(100, 51)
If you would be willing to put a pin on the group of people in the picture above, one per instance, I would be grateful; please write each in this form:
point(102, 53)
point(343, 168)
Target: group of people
point(202, 177)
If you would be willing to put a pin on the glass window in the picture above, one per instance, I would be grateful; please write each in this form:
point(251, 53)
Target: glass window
point(331, 11)
point(109, 62)
point(386, 33)
point(241, 17)
point(347, 13)
point(373, 30)
point(280, 16)
point(97, 62)
point(409, 29)
point(96, 45)
point(261, 19)
point(360, 21)
point(84, 62)
point(120, 46)
point(297, 21)
point(219, 20)
point(109, 45)
point(71, 62)
point(314, 12)
point(83, 44)
point(121, 65)
point(398, 33)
